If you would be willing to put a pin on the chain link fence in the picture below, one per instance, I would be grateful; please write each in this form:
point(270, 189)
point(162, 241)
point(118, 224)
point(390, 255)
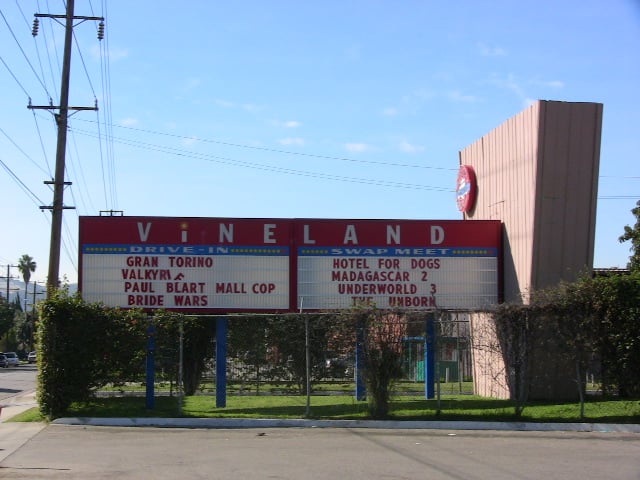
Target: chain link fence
point(266, 355)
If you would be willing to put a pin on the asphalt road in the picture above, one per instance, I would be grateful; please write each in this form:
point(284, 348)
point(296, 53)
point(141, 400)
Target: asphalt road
point(40, 451)
point(82, 452)
point(16, 380)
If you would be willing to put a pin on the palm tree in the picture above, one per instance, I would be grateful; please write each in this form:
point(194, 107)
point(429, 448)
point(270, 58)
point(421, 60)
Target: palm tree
point(26, 265)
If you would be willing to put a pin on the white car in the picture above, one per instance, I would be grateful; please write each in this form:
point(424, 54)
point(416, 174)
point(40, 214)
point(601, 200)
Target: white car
point(32, 357)
point(12, 358)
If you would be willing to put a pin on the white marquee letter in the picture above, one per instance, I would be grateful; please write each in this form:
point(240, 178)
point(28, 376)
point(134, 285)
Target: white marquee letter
point(226, 233)
point(393, 234)
point(268, 233)
point(437, 235)
point(307, 239)
point(144, 231)
point(350, 235)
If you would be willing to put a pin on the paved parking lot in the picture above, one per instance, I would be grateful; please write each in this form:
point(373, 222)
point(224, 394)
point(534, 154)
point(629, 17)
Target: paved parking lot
point(90, 452)
point(84, 451)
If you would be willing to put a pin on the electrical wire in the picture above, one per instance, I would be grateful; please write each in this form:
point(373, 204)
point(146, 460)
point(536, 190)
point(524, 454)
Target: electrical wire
point(84, 65)
point(263, 167)
point(44, 150)
point(34, 198)
point(26, 155)
point(23, 53)
point(108, 112)
point(79, 175)
point(285, 152)
point(14, 77)
point(55, 50)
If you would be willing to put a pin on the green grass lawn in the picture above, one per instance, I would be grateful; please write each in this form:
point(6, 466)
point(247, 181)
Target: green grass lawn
point(450, 407)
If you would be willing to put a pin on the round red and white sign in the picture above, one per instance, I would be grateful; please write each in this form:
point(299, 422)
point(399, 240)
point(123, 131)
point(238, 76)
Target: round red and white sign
point(466, 188)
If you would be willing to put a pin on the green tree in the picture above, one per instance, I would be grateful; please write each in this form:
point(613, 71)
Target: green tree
point(7, 314)
point(633, 234)
point(82, 347)
point(26, 265)
point(381, 363)
point(286, 338)
point(248, 344)
point(197, 335)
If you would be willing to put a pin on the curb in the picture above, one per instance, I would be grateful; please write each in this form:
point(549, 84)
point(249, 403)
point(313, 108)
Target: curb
point(233, 423)
point(17, 404)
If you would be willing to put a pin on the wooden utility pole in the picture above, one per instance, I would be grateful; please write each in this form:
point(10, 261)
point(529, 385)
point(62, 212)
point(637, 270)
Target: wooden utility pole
point(8, 277)
point(59, 183)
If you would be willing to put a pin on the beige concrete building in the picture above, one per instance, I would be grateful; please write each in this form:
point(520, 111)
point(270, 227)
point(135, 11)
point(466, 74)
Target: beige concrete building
point(538, 174)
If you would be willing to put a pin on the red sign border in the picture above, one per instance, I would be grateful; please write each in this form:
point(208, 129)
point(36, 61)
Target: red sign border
point(294, 226)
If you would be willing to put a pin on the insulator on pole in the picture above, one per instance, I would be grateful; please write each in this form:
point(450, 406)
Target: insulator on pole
point(36, 25)
point(101, 30)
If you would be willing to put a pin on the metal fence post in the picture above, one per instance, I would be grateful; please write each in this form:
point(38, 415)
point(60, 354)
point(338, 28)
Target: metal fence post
point(361, 390)
point(222, 326)
point(151, 365)
point(429, 356)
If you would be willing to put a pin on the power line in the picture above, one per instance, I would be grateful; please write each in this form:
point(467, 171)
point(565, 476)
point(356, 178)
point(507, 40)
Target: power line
point(21, 150)
point(284, 152)
point(84, 65)
point(107, 111)
point(20, 183)
point(14, 77)
point(269, 168)
point(619, 197)
point(53, 73)
point(23, 53)
point(44, 150)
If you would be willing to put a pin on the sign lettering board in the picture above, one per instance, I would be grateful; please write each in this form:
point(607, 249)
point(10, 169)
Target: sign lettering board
point(190, 264)
point(406, 264)
point(223, 265)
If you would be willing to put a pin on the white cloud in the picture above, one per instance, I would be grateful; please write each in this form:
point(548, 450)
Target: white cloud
point(357, 147)
point(292, 141)
point(390, 112)
point(129, 122)
point(556, 84)
point(425, 94)
point(458, 96)
point(114, 54)
point(224, 103)
point(550, 83)
point(192, 83)
point(252, 108)
point(511, 83)
point(407, 147)
point(291, 124)
point(249, 107)
point(187, 141)
point(487, 51)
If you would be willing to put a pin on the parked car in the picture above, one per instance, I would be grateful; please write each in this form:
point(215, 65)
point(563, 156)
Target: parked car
point(4, 363)
point(32, 358)
point(12, 358)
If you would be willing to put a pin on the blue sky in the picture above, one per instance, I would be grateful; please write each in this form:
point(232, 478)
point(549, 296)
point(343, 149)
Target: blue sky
point(333, 109)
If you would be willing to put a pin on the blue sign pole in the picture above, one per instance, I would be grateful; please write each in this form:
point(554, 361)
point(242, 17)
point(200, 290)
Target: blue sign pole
point(429, 357)
point(361, 389)
point(222, 325)
point(151, 365)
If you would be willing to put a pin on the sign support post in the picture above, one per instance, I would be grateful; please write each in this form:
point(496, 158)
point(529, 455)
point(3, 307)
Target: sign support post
point(151, 365)
point(429, 356)
point(222, 326)
point(361, 390)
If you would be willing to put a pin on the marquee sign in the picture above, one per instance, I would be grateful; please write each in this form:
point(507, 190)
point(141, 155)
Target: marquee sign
point(277, 265)
point(199, 264)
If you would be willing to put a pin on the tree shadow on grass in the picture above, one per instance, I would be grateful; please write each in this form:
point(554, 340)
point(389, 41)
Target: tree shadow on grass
point(346, 408)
